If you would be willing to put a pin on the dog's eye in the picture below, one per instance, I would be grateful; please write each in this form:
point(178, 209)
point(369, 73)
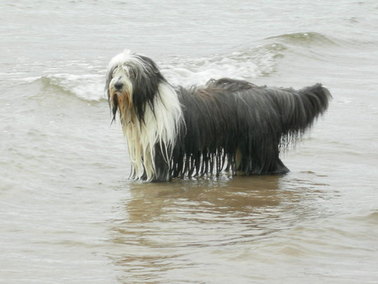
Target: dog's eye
point(132, 73)
point(114, 71)
point(126, 69)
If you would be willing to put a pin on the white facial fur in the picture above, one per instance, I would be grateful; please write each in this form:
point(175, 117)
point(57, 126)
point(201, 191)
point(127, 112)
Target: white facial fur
point(161, 122)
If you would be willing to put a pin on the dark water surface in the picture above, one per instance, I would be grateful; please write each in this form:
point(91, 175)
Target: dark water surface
point(69, 214)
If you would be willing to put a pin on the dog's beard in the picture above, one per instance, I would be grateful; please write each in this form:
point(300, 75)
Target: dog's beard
point(114, 105)
point(122, 102)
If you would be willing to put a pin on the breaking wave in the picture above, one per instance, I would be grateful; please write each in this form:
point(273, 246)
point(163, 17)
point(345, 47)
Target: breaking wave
point(307, 38)
point(85, 87)
point(244, 64)
point(248, 63)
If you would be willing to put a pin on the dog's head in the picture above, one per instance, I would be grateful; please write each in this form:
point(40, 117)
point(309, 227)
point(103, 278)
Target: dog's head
point(132, 82)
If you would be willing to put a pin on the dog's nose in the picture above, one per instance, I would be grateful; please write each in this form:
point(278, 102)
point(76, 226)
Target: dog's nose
point(118, 85)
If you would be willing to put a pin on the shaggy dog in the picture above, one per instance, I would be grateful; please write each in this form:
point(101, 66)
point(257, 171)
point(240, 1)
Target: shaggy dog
point(225, 125)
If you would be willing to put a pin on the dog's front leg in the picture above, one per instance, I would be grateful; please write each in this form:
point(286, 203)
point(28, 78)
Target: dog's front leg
point(162, 169)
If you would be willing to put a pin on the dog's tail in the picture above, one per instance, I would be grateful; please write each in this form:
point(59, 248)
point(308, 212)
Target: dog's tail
point(299, 109)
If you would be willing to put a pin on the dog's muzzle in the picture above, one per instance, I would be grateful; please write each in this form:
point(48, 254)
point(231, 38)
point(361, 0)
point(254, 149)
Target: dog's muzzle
point(120, 92)
point(118, 86)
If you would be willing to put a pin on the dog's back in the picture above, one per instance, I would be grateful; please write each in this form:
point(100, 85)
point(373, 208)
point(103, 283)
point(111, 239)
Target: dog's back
point(237, 125)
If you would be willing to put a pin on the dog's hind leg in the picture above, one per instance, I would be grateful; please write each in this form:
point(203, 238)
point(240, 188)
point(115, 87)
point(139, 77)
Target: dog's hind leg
point(260, 160)
point(272, 162)
point(279, 168)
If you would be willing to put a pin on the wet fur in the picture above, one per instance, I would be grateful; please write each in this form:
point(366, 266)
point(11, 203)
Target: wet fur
point(225, 125)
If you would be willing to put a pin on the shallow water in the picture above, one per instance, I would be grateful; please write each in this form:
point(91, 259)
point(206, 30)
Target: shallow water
point(68, 212)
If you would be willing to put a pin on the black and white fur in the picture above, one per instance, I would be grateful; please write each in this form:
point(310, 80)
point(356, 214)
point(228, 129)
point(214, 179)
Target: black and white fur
point(227, 124)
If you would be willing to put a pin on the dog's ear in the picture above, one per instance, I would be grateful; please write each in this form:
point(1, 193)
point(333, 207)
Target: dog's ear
point(114, 107)
point(109, 77)
point(146, 81)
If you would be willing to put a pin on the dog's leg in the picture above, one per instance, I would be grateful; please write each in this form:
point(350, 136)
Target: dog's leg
point(246, 163)
point(279, 168)
point(259, 160)
point(272, 164)
point(162, 171)
point(240, 166)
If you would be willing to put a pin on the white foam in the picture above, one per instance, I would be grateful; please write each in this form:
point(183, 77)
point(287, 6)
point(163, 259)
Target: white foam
point(246, 64)
point(88, 87)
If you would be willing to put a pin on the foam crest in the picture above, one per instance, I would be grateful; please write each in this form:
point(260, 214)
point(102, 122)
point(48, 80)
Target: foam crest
point(307, 38)
point(88, 87)
point(245, 64)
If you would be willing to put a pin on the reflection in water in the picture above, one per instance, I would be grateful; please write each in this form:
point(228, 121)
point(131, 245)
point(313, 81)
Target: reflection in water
point(171, 226)
point(214, 197)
